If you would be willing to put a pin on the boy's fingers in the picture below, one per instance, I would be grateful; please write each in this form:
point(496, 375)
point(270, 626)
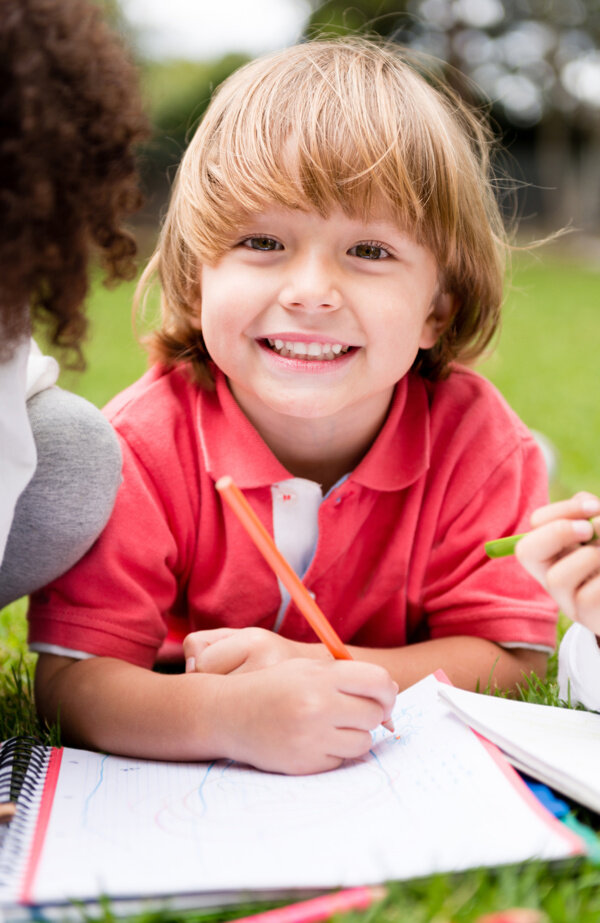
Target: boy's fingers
point(566, 578)
point(358, 713)
point(197, 642)
point(583, 505)
point(350, 743)
point(223, 656)
point(538, 550)
point(587, 604)
point(367, 681)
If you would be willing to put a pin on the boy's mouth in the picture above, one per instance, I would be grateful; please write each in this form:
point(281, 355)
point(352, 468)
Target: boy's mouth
point(315, 352)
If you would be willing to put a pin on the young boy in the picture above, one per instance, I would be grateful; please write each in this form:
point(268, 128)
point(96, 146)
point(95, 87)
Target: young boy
point(332, 246)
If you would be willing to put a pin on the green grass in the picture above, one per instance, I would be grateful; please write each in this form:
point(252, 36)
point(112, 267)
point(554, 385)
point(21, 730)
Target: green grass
point(115, 357)
point(546, 363)
point(546, 366)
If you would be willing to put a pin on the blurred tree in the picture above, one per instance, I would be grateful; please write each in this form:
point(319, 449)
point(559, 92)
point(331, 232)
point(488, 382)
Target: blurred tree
point(178, 93)
point(537, 61)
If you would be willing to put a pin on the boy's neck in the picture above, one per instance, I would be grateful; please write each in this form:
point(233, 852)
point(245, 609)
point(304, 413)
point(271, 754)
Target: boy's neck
point(319, 449)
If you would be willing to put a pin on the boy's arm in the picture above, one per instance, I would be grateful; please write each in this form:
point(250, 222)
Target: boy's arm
point(298, 716)
point(469, 662)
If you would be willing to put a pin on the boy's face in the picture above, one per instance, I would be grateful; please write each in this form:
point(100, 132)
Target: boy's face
point(313, 317)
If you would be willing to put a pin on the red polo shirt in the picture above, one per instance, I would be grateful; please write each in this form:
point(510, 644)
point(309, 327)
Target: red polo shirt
point(399, 556)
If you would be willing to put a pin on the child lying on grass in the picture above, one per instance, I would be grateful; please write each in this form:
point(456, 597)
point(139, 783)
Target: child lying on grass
point(332, 251)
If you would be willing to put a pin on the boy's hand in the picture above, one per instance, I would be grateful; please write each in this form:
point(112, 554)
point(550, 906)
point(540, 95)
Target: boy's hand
point(304, 716)
point(242, 650)
point(555, 554)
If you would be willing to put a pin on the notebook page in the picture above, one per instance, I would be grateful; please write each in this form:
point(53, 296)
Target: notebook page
point(425, 799)
point(559, 745)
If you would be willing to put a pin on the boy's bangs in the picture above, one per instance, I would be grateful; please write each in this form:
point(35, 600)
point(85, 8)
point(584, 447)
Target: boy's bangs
point(322, 140)
point(301, 177)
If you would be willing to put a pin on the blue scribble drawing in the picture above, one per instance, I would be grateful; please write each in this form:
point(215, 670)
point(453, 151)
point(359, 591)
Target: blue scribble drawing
point(202, 803)
point(87, 802)
point(200, 790)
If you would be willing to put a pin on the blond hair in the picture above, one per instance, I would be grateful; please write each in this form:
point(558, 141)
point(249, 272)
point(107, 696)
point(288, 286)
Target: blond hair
point(336, 123)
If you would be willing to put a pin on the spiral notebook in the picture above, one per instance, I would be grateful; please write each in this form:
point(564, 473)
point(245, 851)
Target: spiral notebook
point(430, 797)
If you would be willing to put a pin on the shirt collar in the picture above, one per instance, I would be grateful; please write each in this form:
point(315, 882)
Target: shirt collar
point(401, 452)
point(231, 445)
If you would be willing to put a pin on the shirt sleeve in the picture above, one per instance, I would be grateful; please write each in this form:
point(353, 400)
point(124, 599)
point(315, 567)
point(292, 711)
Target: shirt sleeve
point(466, 593)
point(113, 602)
point(18, 455)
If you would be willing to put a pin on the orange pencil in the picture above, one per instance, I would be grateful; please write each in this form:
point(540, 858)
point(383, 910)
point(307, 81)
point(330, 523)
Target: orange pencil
point(280, 566)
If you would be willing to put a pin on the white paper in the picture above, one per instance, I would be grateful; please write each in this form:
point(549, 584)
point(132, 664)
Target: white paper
point(559, 746)
point(428, 798)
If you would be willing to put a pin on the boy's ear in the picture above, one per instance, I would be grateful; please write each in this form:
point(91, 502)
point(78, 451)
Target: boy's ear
point(440, 315)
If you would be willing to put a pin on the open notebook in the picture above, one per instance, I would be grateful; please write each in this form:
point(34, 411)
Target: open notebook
point(431, 797)
point(558, 746)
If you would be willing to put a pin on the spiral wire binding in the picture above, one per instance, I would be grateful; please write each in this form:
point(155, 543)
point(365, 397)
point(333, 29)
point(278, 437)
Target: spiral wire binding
point(23, 765)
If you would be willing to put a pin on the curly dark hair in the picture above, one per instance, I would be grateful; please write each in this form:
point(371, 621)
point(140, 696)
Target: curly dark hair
point(71, 117)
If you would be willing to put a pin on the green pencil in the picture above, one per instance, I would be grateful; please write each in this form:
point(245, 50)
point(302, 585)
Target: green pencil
point(501, 547)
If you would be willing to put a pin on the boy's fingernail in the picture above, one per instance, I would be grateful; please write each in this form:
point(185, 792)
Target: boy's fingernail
point(582, 529)
point(396, 687)
point(190, 665)
point(590, 505)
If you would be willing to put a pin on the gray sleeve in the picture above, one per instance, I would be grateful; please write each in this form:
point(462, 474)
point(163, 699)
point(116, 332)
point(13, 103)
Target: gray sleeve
point(70, 497)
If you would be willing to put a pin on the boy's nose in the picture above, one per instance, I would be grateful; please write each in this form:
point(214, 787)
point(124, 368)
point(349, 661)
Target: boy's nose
point(311, 285)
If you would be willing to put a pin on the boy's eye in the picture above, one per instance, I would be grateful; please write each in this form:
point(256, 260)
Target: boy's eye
point(262, 243)
point(369, 250)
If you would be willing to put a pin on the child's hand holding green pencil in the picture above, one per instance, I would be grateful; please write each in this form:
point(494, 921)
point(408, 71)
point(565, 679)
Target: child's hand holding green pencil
point(562, 552)
point(502, 547)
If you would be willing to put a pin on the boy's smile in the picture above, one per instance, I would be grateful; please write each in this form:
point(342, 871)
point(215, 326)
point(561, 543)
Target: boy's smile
point(306, 352)
point(317, 318)
point(311, 349)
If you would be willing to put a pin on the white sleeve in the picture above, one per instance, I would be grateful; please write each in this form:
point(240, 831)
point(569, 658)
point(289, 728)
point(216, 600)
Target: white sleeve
point(579, 667)
point(24, 374)
point(17, 448)
point(42, 371)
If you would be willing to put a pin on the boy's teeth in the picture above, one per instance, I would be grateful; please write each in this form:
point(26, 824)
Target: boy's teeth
point(289, 348)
